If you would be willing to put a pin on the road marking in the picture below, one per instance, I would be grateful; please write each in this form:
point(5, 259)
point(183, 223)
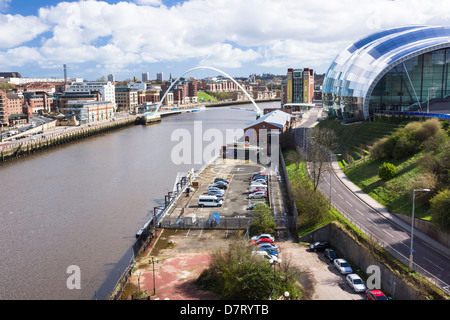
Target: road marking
point(433, 263)
point(359, 212)
point(388, 233)
point(349, 203)
point(334, 189)
point(372, 222)
point(188, 232)
point(200, 233)
point(340, 196)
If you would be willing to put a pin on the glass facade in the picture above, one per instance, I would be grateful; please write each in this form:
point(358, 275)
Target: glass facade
point(398, 69)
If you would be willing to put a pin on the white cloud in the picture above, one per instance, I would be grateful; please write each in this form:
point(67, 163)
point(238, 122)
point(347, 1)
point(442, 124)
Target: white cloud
point(223, 33)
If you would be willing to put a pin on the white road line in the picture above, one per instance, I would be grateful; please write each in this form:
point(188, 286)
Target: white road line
point(372, 222)
point(388, 233)
point(334, 189)
point(359, 212)
point(188, 232)
point(201, 230)
point(433, 263)
point(340, 196)
point(349, 203)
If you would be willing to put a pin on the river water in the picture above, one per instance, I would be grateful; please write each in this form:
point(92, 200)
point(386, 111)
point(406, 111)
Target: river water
point(81, 204)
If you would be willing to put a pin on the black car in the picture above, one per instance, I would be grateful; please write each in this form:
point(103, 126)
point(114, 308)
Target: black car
point(220, 185)
point(319, 245)
point(221, 180)
point(330, 254)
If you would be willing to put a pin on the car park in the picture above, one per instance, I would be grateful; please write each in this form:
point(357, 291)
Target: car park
point(330, 254)
point(319, 245)
point(356, 283)
point(375, 294)
point(258, 195)
point(260, 187)
point(343, 266)
point(253, 205)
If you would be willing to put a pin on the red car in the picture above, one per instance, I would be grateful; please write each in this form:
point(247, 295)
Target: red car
point(375, 294)
point(257, 190)
point(264, 240)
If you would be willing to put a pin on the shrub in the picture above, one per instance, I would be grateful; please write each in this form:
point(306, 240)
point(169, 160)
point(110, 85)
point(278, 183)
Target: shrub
point(440, 213)
point(387, 171)
point(428, 129)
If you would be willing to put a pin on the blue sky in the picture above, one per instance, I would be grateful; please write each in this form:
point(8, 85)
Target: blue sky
point(240, 37)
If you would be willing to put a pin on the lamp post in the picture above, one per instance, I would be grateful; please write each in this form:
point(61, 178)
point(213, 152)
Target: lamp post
point(273, 262)
point(152, 261)
point(331, 174)
point(412, 229)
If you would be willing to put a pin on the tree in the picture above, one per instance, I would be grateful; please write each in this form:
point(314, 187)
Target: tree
point(440, 213)
point(324, 140)
point(387, 171)
point(262, 220)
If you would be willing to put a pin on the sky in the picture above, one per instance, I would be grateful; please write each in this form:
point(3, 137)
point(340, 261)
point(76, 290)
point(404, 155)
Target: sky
point(239, 37)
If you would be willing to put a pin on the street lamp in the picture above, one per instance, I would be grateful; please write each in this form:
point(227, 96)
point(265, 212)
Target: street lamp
point(152, 261)
point(412, 229)
point(331, 174)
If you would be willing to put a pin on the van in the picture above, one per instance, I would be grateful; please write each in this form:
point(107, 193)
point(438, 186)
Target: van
point(209, 201)
point(261, 187)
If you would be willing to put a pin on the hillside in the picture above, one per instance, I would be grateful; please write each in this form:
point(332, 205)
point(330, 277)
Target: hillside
point(420, 151)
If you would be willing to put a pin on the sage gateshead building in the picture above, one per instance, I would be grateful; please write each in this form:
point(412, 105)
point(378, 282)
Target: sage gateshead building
point(400, 69)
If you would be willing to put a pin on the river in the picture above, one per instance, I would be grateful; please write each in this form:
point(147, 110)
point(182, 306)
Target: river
point(81, 204)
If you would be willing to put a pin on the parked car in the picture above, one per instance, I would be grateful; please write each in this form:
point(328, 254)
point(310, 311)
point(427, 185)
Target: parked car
point(256, 177)
point(215, 189)
point(220, 185)
point(342, 266)
point(222, 180)
point(264, 240)
point(263, 236)
point(258, 195)
point(375, 294)
point(319, 245)
point(356, 283)
point(268, 246)
point(259, 181)
point(330, 254)
point(253, 205)
point(218, 193)
point(263, 254)
point(260, 173)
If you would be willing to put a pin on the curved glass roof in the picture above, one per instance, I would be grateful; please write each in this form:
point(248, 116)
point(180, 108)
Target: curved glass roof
point(355, 69)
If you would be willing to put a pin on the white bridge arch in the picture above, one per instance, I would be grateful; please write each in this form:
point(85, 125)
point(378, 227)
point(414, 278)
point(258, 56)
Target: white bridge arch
point(211, 68)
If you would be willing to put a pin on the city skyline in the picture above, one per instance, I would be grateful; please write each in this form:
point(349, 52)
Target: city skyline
point(126, 38)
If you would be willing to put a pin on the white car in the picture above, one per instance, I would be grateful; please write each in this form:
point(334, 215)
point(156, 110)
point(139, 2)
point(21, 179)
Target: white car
point(264, 235)
point(257, 195)
point(356, 283)
point(342, 266)
point(259, 181)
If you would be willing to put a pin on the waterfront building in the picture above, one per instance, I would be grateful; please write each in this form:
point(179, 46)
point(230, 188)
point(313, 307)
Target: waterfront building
point(160, 76)
point(126, 98)
point(111, 78)
point(10, 108)
point(89, 111)
point(106, 89)
point(399, 69)
point(39, 102)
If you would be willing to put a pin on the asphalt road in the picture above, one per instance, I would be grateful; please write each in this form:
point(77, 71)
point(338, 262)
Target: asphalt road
point(365, 217)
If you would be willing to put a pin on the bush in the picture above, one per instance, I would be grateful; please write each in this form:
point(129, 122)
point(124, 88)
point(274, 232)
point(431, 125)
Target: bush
point(262, 220)
point(387, 171)
point(440, 213)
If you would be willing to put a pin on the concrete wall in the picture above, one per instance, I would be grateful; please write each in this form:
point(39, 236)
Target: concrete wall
point(361, 258)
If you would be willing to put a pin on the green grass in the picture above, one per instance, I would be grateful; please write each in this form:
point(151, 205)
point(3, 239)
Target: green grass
point(393, 194)
point(354, 139)
point(206, 97)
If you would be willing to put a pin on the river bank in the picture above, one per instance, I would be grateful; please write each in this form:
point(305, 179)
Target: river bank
point(18, 149)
